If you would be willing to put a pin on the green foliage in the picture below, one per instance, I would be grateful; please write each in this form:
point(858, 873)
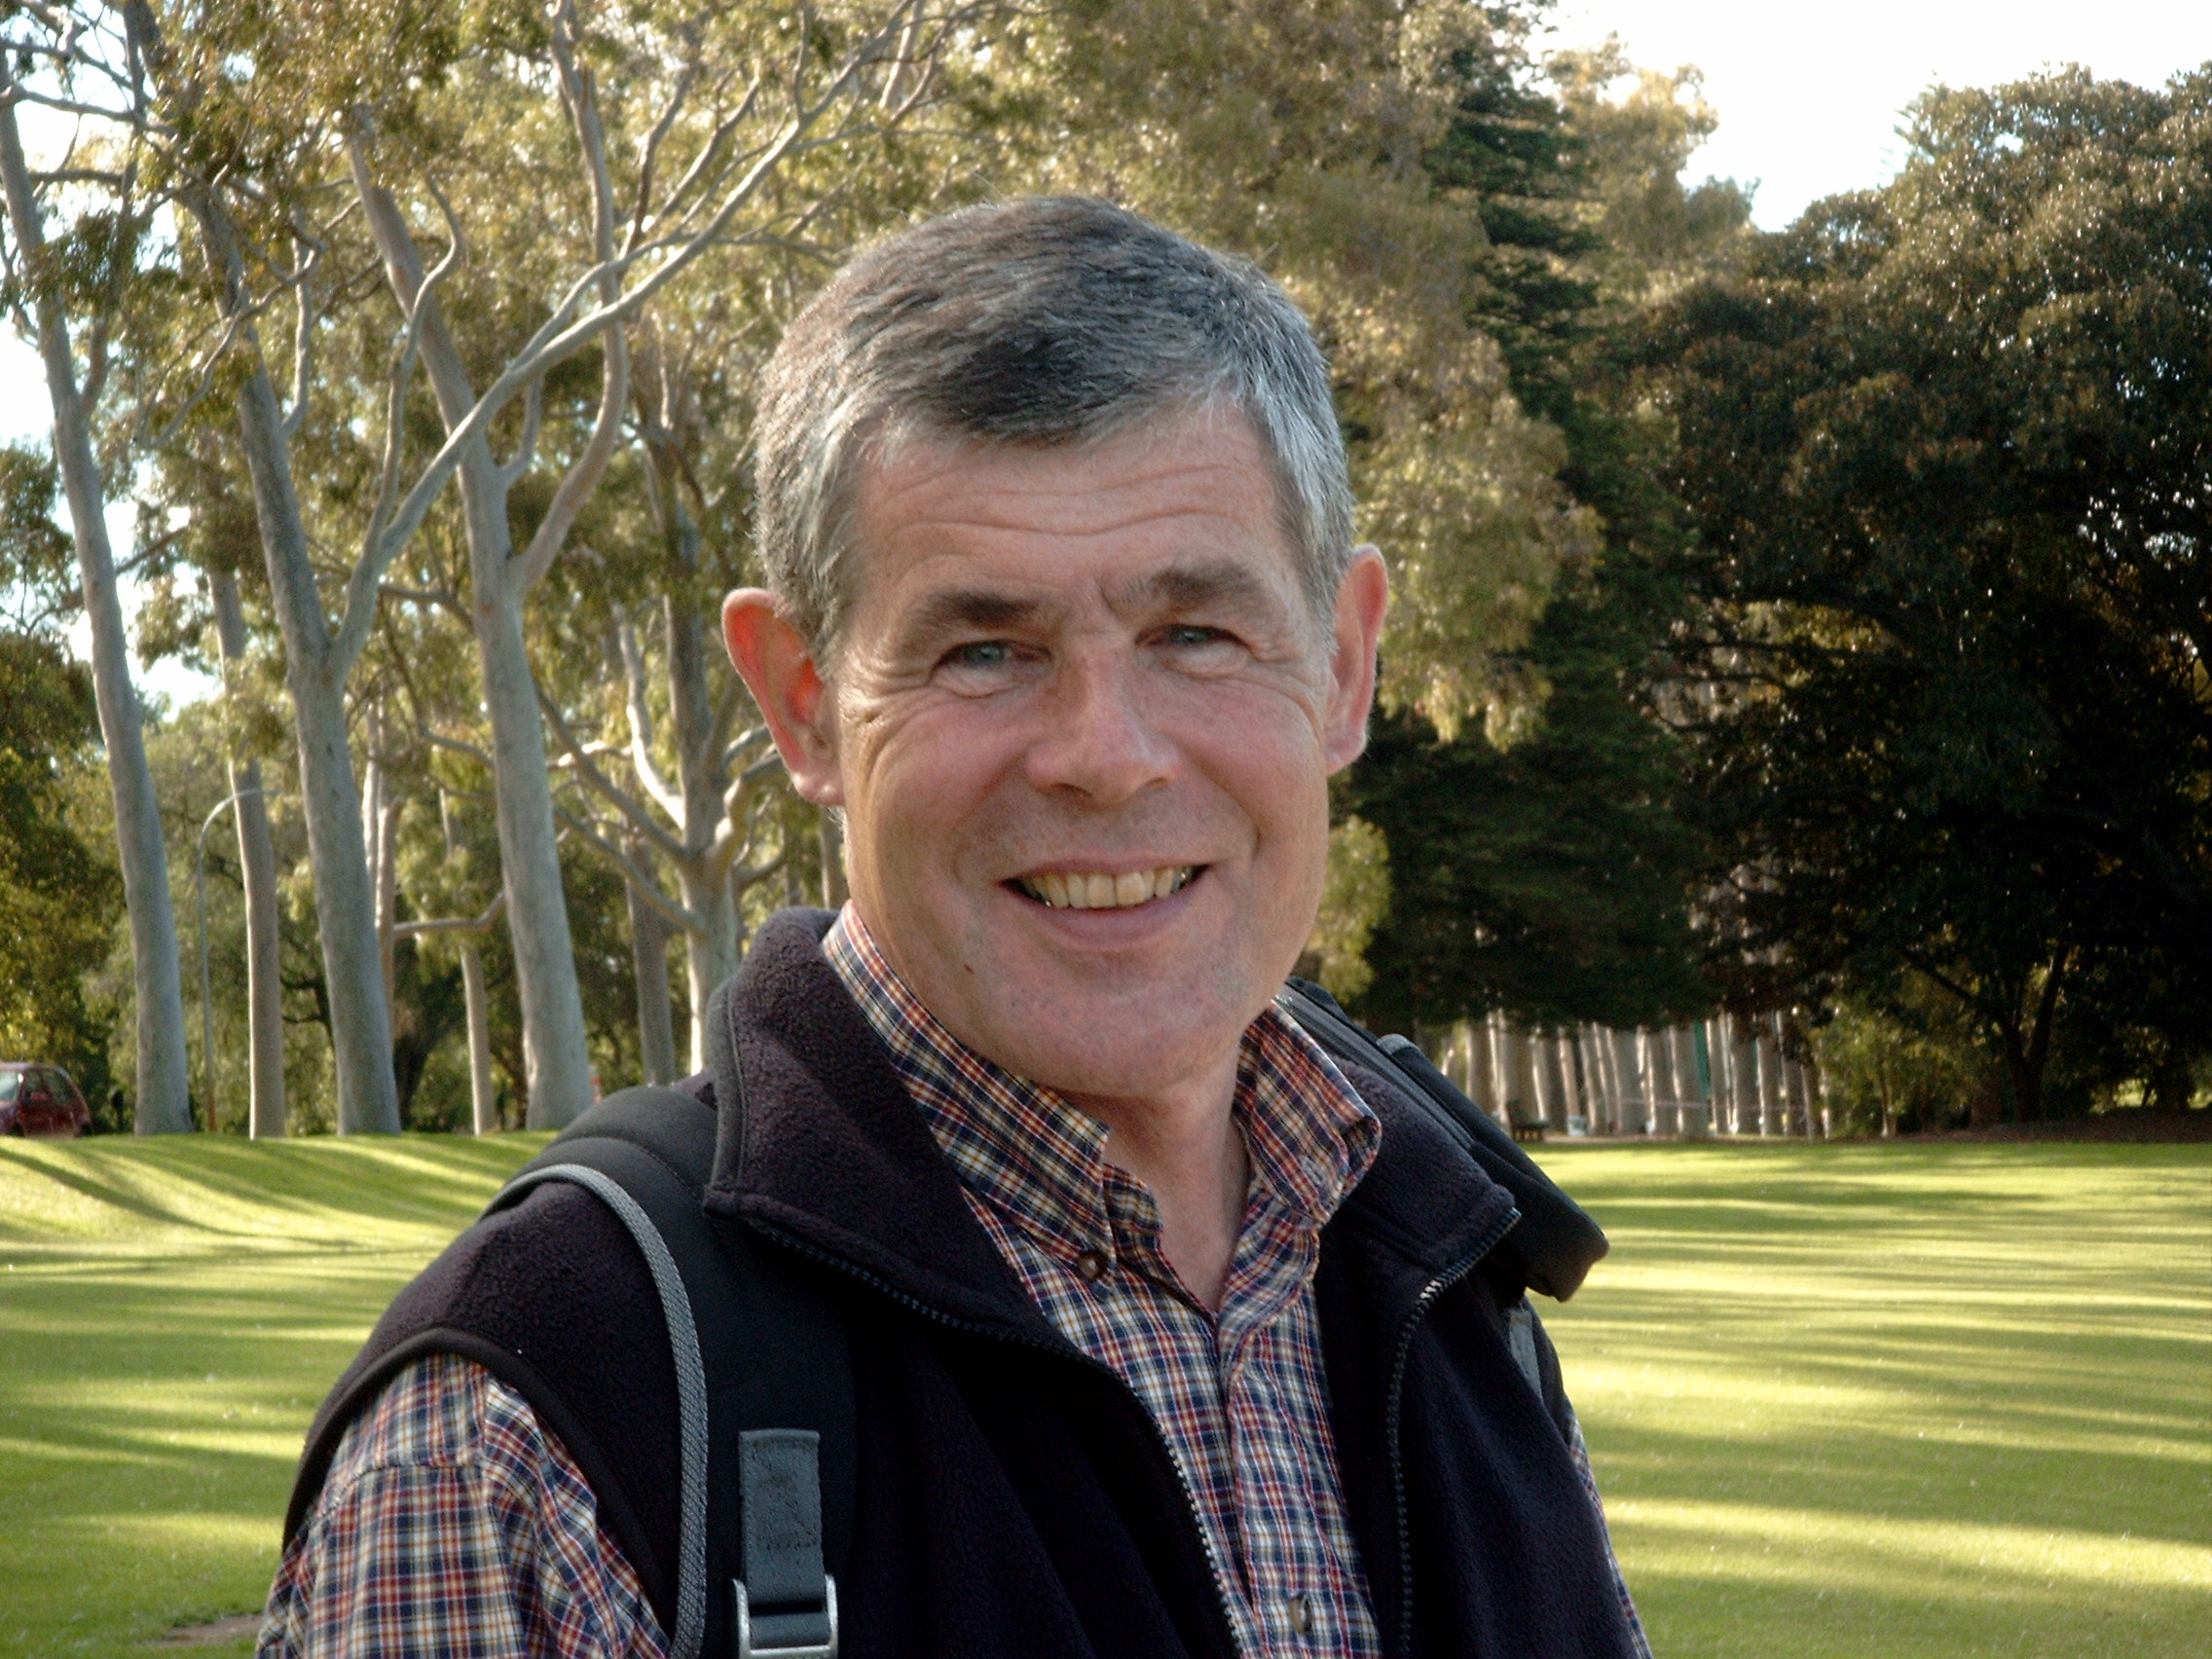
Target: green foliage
point(1541, 864)
point(38, 563)
point(1533, 878)
point(1949, 445)
point(58, 895)
point(1893, 1073)
point(1298, 136)
point(1356, 897)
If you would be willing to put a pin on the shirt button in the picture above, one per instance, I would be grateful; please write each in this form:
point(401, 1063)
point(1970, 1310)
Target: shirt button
point(1092, 1266)
point(1301, 1611)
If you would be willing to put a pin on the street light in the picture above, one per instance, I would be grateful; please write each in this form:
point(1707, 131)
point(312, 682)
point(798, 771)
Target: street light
point(200, 895)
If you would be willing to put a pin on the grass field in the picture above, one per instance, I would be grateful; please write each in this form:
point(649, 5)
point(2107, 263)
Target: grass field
point(1877, 1401)
point(1893, 1402)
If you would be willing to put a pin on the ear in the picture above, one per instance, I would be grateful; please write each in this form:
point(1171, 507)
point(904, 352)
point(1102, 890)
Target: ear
point(1362, 600)
point(772, 658)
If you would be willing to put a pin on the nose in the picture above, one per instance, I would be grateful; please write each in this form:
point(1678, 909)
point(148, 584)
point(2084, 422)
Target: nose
point(1098, 741)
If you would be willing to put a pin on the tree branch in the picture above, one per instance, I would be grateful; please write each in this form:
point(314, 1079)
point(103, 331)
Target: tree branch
point(456, 924)
point(641, 882)
point(583, 475)
point(588, 770)
point(641, 725)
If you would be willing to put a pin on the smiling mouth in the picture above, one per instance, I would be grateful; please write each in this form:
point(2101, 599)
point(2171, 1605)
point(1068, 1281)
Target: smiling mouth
point(1094, 890)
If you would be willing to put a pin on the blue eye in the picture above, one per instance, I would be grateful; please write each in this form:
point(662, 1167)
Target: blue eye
point(983, 653)
point(1191, 634)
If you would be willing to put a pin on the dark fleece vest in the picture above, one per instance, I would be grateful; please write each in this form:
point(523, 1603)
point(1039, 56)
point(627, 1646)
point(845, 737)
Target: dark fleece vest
point(1011, 1498)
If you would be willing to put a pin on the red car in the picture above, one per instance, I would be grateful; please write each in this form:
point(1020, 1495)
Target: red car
point(40, 1100)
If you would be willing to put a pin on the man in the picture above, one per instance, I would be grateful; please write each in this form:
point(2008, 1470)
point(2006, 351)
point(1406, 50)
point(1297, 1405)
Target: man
point(1169, 1335)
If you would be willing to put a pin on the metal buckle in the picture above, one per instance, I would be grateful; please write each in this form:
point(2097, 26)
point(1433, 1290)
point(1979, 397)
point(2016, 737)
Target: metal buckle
point(745, 1648)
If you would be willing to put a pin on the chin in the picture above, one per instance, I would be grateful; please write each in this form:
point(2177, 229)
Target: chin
point(1123, 1046)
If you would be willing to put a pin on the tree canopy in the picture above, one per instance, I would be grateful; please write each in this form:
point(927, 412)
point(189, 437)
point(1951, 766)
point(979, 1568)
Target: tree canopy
point(1950, 446)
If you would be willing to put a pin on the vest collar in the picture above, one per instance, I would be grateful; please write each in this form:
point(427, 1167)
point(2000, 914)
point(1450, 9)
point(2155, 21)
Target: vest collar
point(818, 1144)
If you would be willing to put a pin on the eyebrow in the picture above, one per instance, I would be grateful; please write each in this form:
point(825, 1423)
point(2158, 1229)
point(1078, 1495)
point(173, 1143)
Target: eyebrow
point(960, 610)
point(1190, 587)
point(1225, 582)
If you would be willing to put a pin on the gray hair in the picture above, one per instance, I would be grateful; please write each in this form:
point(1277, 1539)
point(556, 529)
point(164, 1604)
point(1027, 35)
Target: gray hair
point(1046, 321)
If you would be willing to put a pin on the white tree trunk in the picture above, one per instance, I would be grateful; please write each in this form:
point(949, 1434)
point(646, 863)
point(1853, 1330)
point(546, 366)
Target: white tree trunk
point(483, 1098)
point(257, 860)
point(1743, 1062)
point(832, 831)
point(1724, 1086)
point(1475, 1034)
point(345, 901)
point(1767, 1062)
point(1666, 1087)
point(165, 1102)
point(1571, 1102)
point(649, 933)
point(555, 1055)
point(317, 665)
point(379, 829)
point(711, 949)
point(1539, 1081)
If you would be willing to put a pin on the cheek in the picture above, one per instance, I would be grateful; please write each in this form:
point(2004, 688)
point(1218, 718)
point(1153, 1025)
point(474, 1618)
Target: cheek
point(930, 767)
point(1263, 751)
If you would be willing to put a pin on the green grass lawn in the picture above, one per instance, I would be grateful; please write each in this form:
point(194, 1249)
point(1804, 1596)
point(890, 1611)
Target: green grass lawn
point(1886, 1401)
point(1855, 1400)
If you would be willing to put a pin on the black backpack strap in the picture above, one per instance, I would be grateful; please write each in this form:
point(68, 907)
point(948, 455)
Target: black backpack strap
point(690, 1389)
point(764, 1379)
point(1555, 1238)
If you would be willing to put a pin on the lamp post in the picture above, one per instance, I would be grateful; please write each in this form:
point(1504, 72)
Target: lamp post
point(200, 899)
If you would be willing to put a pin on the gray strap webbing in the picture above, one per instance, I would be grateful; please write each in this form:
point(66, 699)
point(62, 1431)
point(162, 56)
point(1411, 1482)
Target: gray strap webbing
point(690, 1401)
point(1521, 1337)
point(787, 1596)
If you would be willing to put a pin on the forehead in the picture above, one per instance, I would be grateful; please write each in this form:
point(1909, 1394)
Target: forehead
point(1195, 488)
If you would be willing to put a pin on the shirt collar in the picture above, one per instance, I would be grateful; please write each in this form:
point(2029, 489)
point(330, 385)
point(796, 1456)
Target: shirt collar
point(1040, 1160)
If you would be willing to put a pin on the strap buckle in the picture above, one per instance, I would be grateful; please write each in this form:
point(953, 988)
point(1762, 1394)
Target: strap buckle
point(806, 1634)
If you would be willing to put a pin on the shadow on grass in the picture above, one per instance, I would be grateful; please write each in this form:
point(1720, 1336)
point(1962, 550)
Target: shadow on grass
point(220, 1186)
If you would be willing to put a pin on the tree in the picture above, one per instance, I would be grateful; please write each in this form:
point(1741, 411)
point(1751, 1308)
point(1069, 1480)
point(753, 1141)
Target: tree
point(57, 897)
point(96, 254)
point(1540, 863)
point(1950, 446)
point(683, 788)
point(681, 131)
point(738, 110)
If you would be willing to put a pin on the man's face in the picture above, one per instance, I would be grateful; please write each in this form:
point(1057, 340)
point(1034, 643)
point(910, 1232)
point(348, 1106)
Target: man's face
point(1081, 719)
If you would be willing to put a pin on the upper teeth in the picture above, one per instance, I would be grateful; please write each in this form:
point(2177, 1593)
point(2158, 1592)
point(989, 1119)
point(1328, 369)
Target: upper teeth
point(1075, 890)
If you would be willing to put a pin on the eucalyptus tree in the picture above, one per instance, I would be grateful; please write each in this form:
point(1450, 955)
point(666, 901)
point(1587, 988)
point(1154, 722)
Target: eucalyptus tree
point(296, 137)
point(257, 865)
point(48, 60)
point(660, 774)
point(686, 131)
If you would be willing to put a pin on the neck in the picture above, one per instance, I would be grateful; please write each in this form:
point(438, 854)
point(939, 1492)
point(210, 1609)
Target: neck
point(1187, 1150)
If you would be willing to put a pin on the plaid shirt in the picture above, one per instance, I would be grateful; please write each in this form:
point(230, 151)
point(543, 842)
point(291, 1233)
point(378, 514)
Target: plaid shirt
point(1239, 1396)
point(452, 1525)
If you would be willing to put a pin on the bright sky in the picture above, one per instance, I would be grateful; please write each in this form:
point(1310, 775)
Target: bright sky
point(1808, 95)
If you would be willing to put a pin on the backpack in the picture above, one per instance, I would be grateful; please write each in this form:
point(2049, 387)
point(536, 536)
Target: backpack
point(764, 1393)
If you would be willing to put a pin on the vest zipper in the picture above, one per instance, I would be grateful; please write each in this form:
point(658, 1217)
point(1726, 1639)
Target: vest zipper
point(1070, 1351)
point(1391, 1423)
